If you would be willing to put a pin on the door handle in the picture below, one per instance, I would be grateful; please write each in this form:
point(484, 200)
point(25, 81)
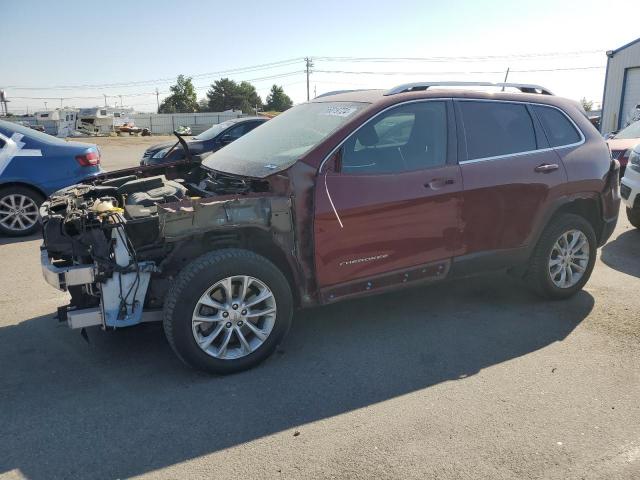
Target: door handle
point(546, 167)
point(437, 183)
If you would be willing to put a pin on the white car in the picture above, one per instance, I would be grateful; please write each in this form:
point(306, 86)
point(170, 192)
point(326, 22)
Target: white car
point(630, 187)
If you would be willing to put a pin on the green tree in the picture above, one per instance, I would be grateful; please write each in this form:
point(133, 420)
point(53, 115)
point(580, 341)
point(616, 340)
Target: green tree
point(183, 97)
point(226, 94)
point(587, 105)
point(277, 100)
point(203, 105)
point(248, 98)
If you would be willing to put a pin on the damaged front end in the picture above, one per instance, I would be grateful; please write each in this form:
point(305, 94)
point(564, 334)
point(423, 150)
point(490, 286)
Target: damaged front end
point(115, 245)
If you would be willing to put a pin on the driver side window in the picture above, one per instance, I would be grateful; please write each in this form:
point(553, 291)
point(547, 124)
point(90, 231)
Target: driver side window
point(405, 138)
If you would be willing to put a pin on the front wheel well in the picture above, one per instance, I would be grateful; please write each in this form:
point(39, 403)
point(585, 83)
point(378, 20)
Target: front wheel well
point(255, 240)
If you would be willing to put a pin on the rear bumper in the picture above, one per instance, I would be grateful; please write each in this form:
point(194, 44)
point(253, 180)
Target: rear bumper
point(610, 203)
point(608, 226)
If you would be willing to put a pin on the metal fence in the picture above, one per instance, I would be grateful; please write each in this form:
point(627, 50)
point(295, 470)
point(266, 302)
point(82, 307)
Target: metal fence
point(157, 123)
point(166, 123)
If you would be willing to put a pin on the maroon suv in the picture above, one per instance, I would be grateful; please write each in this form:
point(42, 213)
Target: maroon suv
point(347, 195)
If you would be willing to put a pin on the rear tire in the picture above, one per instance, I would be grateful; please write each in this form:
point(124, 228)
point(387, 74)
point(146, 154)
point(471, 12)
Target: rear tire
point(555, 272)
point(213, 316)
point(19, 211)
point(633, 214)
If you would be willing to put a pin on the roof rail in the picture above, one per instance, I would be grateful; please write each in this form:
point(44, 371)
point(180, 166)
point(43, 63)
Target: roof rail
point(419, 86)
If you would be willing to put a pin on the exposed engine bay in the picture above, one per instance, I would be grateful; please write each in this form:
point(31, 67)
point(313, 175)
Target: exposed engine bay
point(115, 244)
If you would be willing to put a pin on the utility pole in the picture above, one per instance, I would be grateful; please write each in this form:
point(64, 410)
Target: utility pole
point(308, 64)
point(61, 102)
point(45, 106)
point(121, 104)
point(158, 100)
point(105, 99)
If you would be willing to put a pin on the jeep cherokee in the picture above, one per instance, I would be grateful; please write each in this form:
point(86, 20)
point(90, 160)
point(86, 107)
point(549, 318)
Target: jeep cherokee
point(347, 195)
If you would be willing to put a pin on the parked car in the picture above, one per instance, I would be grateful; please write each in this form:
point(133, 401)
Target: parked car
point(208, 141)
point(344, 196)
point(622, 142)
point(39, 128)
point(32, 166)
point(630, 187)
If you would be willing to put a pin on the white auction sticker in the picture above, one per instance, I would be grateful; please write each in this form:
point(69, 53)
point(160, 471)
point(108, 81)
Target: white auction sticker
point(337, 111)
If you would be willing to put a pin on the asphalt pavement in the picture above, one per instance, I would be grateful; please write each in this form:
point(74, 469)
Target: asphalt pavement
point(470, 379)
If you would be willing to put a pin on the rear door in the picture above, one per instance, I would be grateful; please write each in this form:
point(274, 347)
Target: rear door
point(510, 174)
point(391, 200)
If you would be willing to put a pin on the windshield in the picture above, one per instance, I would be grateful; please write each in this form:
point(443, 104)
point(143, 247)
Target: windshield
point(631, 131)
point(214, 131)
point(280, 142)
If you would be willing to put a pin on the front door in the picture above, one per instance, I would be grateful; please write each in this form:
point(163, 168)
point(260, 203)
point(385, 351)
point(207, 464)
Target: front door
point(389, 201)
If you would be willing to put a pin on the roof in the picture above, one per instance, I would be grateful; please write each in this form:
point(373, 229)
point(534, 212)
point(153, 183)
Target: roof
point(613, 52)
point(377, 96)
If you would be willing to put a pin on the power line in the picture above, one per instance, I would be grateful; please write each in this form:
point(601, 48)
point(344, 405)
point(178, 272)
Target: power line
point(248, 69)
point(525, 56)
point(293, 61)
point(361, 72)
point(155, 92)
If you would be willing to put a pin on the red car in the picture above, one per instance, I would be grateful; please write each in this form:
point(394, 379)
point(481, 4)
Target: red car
point(347, 195)
point(621, 144)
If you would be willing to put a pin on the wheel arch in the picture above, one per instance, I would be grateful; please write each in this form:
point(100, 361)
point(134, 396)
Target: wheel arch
point(587, 206)
point(253, 239)
point(30, 186)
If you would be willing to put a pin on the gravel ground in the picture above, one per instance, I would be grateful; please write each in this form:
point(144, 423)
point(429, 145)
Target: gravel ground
point(473, 379)
point(123, 152)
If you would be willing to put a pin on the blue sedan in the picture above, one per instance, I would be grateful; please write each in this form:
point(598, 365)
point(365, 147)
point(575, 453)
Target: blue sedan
point(33, 165)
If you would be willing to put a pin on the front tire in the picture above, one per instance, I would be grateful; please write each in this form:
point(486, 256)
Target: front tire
point(564, 258)
point(633, 214)
point(227, 311)
point(19, 211)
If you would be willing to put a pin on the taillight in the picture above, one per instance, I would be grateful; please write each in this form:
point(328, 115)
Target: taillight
point(88, 159)
point(623, 158)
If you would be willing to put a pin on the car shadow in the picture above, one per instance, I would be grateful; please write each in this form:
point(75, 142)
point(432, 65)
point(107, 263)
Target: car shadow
point(6, 240)
point(623, 253)
point(122, 404)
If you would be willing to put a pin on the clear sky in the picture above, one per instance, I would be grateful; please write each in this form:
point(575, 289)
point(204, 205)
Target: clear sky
point(141, 45)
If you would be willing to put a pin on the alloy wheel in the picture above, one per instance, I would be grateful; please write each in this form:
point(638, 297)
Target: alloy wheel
point(569, 259)
point(18, 212)
point(234, 317)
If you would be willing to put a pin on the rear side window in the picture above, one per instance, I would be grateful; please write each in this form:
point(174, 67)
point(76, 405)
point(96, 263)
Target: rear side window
point(495, 128)
point(557, 126)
